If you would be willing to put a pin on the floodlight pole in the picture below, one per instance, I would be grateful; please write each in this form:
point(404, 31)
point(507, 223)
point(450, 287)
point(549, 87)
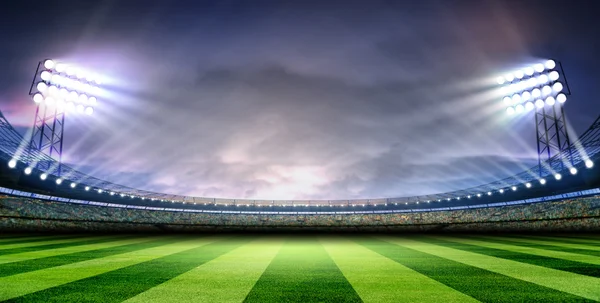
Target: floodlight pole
point(48, 128)
point(553, 143)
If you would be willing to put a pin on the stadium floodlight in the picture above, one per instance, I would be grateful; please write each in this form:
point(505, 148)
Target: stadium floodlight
point(42, 87)
point(46, 75)
point(546, 90)
point(519, 74)
point(448, 199)
point(536, 88)
point(589, 163)
point(489, 193)
point(53, 87)
point(73, 184)
point(501, 191)
point(538, 67)
point(529, 106)
point(573, 170)
point(49, 64)
point(38, 98)
point(542, 181)
point(469, 197)
point(457, 198)
point(12, 163)
point(519, 108)
point(28, 170)
point(523, 88)
point(479, 195)
point(514, 188)
point(59, 181)
point(87, 188)
point(557, 176)
point(528, 185)
point(557, 87)
point(111, 193)
point(539, 103)
point(43, 176)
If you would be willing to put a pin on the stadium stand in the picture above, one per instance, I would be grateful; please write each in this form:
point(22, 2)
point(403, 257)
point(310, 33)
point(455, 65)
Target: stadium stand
point(21, 214)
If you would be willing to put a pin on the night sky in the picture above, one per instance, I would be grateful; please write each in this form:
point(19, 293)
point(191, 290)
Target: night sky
point(300, 99)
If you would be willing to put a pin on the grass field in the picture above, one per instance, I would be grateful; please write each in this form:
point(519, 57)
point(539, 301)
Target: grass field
point(227, 268)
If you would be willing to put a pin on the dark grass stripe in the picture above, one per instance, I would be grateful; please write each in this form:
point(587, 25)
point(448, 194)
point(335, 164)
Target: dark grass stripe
point(302, 272)
point(36, 239)
point(556, 263)
point(11, 236)
point(570, 240)
point(60, 245)
point(478, 283)
point(588, 252)
point(14, 268)
point(124, 283)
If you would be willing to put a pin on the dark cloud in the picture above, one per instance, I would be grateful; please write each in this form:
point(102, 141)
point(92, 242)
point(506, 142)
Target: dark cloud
point(302, 99)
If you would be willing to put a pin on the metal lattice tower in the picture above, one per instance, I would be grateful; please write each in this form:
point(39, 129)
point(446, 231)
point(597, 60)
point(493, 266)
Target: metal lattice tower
point(48, 126)
point(57, 89)
point(553, 143)
point(540, 88)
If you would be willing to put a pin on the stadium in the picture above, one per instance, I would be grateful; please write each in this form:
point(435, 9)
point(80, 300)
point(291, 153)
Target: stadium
point(69, 233)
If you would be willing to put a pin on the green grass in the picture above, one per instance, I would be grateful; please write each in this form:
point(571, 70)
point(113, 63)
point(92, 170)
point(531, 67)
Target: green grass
point(302, 272)
point(174, 268)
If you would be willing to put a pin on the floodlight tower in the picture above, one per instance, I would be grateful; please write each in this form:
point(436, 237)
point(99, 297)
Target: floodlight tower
point(58, 89)
point(539, 88)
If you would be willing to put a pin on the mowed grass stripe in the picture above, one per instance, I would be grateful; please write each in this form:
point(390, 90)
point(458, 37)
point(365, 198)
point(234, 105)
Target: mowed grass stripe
point(552, 279)
point(379, 279)
point(302, 271)
point(126, 282)
point(228, 278)
point(557, 245)
point(60, 244)
point(579, 264)
point(31, 239)
point(30, 255)
point(565, 250)
point(479, 283)
point(34, 281)
point(31, 245)
point(571, 240)
point(100, 251)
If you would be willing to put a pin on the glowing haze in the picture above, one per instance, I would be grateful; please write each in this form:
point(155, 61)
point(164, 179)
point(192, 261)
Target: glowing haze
point(299, 100)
